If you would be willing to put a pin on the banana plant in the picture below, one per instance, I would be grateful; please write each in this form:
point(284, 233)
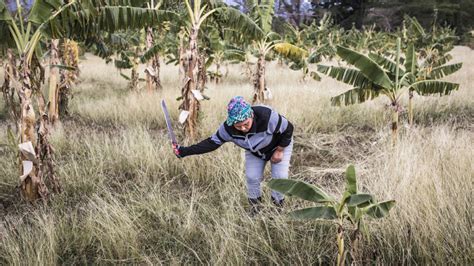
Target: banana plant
point(130, 29)
point(125, 48)
point(8, 89)
point(27, 28)
point(261, 13)
point(300, 59)
point(263, 47)
point(129, 46)
point(216, 49)
point(368, 39)
point(423, 74)
point(310, 45)
point(297, 49)
point(240, 55)
point(153, 81)
point(69, 75)
point(191, 55)
point(323, 36)
point(377, 75)
point(198, 13)
point(432, 44)
point(267, 41)
point(352, 206)
point(152, 55)
point(174, 51)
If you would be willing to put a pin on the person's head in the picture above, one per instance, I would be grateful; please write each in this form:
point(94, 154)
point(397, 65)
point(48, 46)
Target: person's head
point(239, 114)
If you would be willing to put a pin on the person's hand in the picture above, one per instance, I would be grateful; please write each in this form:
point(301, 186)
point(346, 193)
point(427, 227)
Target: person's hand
point(277, 156)
point(176, 150)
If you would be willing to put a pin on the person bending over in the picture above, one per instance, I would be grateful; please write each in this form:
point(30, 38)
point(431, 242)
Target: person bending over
point(263, 133)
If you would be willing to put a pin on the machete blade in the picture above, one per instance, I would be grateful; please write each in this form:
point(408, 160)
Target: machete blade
point(171, 134)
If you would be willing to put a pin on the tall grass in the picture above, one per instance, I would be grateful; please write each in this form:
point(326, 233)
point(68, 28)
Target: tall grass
point(128, 199)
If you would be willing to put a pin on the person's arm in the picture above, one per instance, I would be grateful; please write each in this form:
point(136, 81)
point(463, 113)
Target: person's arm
point(278, 124)
point(204, 146)
point(210, 144)
point(286, 135)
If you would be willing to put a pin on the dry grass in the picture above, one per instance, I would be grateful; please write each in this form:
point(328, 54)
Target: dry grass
point(127, 199)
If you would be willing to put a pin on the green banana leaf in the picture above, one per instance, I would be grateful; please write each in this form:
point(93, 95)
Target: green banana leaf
point(410, 61)
point(235, 19)
point(389, 65)
point(319, 212)
point(351, 181)
point(368, 67)
point(381, 209)
point(150, 53)
point(360, 200)
point(431, 87)
point(443, 71)
point(354, 96)
point(299, 189)
point(347, 75)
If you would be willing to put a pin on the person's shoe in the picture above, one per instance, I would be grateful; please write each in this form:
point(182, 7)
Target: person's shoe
point(255, 206)
point(278, 204)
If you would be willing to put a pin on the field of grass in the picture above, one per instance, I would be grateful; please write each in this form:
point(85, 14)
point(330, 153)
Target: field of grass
point(127, 199)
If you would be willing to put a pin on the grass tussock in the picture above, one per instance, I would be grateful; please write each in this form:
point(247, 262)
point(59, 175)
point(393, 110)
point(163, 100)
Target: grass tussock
point(127, 199)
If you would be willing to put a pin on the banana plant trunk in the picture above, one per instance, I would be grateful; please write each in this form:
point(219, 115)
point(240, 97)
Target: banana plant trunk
point(133, 85)
point(190, 103)
point(37, 161)
point(395, 115)
point(226, 70)
point(356, 253)
point(341, 256)
point(153, 81)
point(410, 108)
point(32, 185)
point(69, 57)
point(259, 82)
point(202, 75)
point(156, 67)
point(44, 149)
point(53, 93)
point(8, 90)
point(218, 72)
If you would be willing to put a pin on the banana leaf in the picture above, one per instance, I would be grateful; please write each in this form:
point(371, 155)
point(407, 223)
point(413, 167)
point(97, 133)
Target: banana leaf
point(431, 87)
point(290, 51)
point(386, 63)
point(369, 68)
point(299, 189)
point(347, 75)
point(381, 209)
point(443, 71)
point(354, 96)
point(319, 212)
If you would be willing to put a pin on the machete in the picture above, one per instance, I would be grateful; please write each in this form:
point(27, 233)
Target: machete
point(168, 123)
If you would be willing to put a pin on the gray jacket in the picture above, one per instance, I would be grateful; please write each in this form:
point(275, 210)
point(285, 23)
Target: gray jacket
point(269, 130)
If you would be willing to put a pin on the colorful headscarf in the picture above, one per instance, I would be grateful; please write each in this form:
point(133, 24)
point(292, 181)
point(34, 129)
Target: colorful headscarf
point(238, 110)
